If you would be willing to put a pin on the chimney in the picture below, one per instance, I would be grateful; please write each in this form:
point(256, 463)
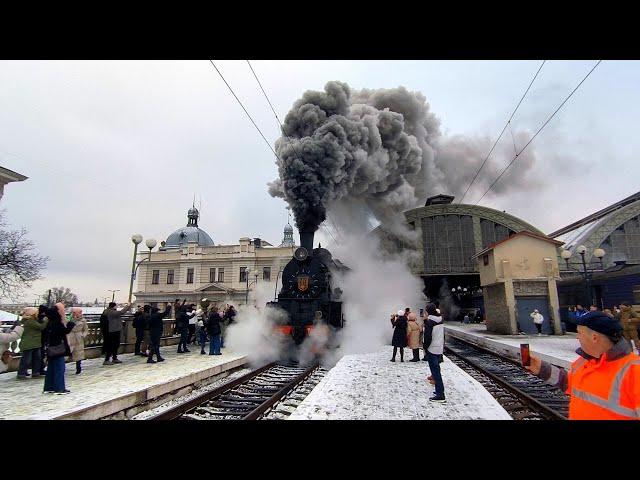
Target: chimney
point(306, 240)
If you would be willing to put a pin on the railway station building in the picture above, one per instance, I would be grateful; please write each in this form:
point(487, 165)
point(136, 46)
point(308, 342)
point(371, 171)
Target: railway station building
point(613, 278)
point(190, 265)
point(449, 236)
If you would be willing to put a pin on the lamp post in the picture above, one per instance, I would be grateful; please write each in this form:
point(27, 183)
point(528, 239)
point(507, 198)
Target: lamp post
point(255, 273)
point(150, 243)
point(599, 253)
point(113, 294)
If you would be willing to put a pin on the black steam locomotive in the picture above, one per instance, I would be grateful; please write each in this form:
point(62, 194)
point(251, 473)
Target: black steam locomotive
point(307, 295)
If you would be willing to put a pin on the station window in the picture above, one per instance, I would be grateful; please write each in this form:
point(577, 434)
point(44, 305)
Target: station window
point(220, 275)
point(155, 280)
point(170, 277)
point(266, 273)
point(243, 274)
point(212, 275)
point(189, 275)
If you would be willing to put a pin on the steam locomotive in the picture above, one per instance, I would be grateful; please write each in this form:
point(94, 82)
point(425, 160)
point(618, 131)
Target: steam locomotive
point(307, 295)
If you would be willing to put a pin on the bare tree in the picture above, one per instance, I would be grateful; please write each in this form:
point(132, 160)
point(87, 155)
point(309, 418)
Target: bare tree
point(20, 265)
point(60, 295)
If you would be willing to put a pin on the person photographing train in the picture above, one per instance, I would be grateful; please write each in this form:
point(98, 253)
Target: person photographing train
point(604, 382)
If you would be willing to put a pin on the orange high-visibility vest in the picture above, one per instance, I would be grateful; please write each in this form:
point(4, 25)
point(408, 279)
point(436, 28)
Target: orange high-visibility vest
point(605, 390)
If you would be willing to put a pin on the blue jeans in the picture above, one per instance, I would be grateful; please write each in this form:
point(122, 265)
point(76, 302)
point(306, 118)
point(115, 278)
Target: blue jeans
point(30, 357)
point(54, 379)
point(434, 366)
point(214, 345)
point(202, 337)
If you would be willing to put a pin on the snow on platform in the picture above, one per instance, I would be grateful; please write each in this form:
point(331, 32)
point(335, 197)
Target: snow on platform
point(370, 387)
point(559, 350)
point(103, 390)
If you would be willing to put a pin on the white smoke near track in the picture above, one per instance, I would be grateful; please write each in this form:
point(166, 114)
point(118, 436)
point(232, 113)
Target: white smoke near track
point(252, 333)
point(374, 288)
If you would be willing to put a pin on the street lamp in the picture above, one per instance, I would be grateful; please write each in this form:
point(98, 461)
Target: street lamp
point(254, 273)
point(113, 294)
point(150, 243)
point(599, 253)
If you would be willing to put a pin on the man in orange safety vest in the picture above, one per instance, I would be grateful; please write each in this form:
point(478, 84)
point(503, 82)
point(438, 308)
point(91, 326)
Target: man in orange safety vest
point(604, 382)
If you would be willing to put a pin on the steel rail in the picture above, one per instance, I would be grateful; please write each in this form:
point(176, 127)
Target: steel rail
point(177, 411)
point(527, 399)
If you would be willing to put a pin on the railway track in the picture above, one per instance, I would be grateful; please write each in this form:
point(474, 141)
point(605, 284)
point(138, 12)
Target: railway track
point(523, 395)
point(254, 396)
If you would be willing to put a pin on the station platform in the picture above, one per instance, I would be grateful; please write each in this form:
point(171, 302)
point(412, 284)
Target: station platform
point(559, 350)
point(115, 391)
point(370, 387)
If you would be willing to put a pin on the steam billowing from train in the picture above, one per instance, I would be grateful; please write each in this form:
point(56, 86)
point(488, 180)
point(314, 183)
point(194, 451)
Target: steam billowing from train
point(381, 150)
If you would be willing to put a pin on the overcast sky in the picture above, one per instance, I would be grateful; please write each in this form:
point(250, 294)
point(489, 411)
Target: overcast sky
point(113, 148)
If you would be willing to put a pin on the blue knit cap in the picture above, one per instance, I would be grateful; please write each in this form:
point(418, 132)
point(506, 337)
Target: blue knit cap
point(600, 322)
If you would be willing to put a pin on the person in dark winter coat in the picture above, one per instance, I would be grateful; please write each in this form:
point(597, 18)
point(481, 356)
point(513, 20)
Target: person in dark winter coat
point(214, 330)
point(42, 317)
point(139, 325)
point(57, 333)
point(114, 325)
point(434, 348)
point(399, 339)
point(182, 325)
point(155, 331)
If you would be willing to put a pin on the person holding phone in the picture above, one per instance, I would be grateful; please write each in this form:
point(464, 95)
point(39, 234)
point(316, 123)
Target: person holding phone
point(604, 382)
point(399, 340)
point(434, 349)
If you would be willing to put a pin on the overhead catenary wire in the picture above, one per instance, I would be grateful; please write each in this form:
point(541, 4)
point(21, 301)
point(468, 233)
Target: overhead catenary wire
point(245, 110)
point(537, 132)
point(502, 132)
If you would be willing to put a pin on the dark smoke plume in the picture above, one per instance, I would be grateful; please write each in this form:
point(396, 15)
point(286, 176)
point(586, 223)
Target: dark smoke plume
point(381, 149)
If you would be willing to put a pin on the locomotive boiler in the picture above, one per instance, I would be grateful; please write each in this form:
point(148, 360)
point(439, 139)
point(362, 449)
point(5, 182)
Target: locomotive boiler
point(307, 294)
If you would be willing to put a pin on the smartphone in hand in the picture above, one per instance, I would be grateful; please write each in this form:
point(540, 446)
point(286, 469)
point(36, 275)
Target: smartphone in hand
point(524, 354)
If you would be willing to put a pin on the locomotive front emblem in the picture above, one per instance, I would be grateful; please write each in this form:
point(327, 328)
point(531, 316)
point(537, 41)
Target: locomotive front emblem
point(303, 283)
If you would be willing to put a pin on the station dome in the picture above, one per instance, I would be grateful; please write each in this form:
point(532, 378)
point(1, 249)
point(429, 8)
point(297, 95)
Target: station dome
point(190, 233)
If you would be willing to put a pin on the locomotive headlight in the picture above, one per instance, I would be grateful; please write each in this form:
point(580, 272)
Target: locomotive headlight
point(301, 254)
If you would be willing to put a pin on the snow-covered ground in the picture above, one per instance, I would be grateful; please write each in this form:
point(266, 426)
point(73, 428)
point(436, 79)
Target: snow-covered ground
point(558, 349)
point(370, 387)
point(101, 384)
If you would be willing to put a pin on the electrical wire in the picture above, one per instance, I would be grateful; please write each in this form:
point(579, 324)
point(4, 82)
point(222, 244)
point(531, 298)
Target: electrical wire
point(539, 130)
point(245, 110)
point(502, 132)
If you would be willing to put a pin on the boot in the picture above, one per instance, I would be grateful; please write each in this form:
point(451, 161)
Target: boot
point(202, 352)
point(160, 359)
point(150, 360)
point(180, 350)
point(186, 350)
point(78, 368)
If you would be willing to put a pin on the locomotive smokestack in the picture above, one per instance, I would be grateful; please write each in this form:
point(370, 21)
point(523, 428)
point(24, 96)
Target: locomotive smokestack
point(306, 240)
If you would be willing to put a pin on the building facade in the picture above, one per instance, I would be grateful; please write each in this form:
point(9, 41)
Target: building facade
point(189, 265)
point(8, 176)
point(518, 275)
point(447, 238)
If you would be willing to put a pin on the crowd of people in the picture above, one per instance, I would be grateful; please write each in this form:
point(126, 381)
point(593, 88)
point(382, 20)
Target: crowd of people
point(48, 337)
point(424, 331)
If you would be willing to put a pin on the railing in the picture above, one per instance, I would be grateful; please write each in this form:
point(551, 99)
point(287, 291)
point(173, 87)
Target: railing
point(94, 337)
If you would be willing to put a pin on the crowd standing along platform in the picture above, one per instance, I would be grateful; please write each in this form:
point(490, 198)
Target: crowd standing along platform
point(115, 391)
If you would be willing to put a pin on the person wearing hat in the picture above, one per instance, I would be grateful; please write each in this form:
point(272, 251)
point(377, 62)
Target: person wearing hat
point(538, 319)
point(630, 322)
point(399, 340)
point(434, 350)
point(604, 382)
